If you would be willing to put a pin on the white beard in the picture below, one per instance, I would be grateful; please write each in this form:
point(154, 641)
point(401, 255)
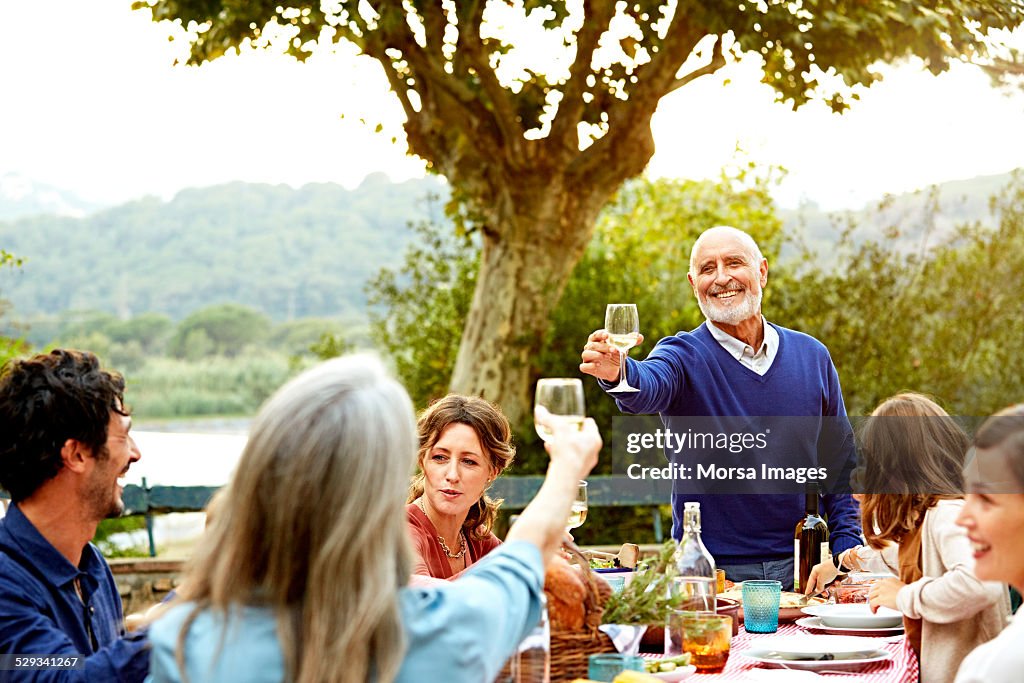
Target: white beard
point(732, 313)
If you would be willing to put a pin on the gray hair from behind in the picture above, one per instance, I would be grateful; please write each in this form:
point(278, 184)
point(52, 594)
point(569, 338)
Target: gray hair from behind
point(312, 526)
point(749, 243)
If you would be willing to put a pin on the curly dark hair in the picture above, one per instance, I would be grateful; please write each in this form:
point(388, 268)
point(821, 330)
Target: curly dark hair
point(46, 400)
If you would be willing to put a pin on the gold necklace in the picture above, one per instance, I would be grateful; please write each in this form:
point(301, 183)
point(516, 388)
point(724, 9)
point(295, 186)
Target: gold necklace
point(444, 546)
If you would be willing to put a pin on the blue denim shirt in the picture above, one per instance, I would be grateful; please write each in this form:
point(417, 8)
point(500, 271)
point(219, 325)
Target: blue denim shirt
point(41, 613)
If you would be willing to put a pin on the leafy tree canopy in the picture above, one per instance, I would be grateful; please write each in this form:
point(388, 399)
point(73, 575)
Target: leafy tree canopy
point(223, 329)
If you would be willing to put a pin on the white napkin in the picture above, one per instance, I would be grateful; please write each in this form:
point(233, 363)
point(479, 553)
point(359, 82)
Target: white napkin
point(626, 638)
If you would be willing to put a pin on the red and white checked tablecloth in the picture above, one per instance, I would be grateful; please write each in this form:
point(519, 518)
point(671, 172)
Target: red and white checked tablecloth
point(902, 668)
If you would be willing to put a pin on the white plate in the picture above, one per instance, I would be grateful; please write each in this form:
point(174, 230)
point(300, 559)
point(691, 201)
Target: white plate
point(810, 646)
point(814, 624)
point(763, 658)
point(855, 616)
point(678, 674)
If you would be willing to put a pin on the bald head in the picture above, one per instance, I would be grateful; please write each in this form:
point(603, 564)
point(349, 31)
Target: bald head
point(725, 231)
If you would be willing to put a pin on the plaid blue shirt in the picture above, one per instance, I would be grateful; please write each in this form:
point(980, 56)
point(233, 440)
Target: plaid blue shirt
point(41, 613)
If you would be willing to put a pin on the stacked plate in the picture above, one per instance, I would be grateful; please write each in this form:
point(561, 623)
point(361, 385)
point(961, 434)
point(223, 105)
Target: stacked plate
point(852, 619)
point(816, 653)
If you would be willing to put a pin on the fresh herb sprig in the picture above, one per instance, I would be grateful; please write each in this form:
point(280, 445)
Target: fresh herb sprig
point(645, 599)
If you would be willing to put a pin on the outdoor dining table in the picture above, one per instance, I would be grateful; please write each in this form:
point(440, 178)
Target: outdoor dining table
point(901, 668)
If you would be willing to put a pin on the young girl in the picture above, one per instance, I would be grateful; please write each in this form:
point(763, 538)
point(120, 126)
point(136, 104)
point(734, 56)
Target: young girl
point(993, 515)
point(913, 453)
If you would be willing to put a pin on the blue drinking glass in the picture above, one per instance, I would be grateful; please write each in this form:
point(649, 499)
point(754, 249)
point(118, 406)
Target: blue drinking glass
point(605, 667)
point(761, 606)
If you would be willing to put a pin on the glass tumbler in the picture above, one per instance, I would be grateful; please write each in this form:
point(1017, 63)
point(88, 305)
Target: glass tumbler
point(761, 606)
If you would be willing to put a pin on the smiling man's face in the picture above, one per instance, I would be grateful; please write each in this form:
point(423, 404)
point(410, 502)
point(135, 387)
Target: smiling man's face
point(103, 489)
point(727, 278)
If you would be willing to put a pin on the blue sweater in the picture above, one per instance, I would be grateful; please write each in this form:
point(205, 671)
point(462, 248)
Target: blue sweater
point(690, 374)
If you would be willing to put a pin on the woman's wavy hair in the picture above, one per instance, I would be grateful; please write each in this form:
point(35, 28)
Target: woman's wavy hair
point(912, 456)
point(495, 434)
point(1005, 430)
point(310, 525)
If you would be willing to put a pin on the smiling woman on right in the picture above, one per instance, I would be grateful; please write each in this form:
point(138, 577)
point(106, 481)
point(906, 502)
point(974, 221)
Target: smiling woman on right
point(993, 515)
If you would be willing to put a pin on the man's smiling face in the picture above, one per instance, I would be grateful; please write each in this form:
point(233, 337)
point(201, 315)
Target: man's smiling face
point(727, 278)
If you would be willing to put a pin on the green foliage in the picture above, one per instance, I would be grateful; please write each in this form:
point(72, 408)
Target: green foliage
point(943, 318)
point(120, 525)
point(329, 346)
point(222, 329)
point(417, 312)
point(167, 387)
point(10, 347)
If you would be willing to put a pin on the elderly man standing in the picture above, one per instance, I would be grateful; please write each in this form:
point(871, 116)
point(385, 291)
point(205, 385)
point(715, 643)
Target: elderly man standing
point(738, 364)
point(64, 443)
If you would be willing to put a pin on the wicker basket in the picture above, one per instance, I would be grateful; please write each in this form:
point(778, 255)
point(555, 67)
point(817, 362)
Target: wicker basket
point(570, 649)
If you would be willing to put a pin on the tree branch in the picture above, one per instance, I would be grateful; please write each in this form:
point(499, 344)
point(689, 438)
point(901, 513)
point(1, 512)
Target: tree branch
point(716, 63)
point(503, 112)
point(596, 18)
point(434, 22)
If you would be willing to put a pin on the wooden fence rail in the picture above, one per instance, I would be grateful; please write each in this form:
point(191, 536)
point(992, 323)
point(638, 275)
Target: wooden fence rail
point(517, 491)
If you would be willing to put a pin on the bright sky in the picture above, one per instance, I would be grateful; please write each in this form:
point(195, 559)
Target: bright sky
point(92, 104)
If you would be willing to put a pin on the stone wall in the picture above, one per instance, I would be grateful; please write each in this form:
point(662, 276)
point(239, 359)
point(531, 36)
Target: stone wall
point(143, 582)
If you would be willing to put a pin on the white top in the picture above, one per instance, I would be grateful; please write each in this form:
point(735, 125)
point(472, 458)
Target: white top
point(1000, 660)
point(958, 611)
point(759, 361)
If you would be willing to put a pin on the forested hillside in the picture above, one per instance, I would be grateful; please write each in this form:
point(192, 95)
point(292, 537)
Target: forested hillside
point(289, 253)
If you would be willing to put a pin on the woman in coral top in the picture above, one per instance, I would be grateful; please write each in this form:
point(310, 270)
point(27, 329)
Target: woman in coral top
point(465, 444)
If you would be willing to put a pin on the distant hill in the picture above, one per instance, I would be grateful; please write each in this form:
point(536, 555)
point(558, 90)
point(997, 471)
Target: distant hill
point(960, 201)
point(290, 253)
point(21, 197)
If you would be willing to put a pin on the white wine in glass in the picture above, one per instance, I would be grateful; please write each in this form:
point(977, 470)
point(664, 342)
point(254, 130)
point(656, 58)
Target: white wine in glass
point(622, 323)
point(563, 399)
point(578, 513)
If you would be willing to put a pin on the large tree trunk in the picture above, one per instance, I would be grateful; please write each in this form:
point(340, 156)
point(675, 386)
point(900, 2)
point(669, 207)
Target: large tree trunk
point(543, 229)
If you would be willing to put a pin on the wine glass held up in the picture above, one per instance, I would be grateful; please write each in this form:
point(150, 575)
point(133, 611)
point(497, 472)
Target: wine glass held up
point(622, 323)
point(578, 513)
point(561, 399)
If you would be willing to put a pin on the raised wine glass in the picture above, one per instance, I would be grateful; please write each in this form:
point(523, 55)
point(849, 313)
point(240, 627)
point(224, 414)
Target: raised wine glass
point(623, 325)
point(562, 397)
point(578, 513)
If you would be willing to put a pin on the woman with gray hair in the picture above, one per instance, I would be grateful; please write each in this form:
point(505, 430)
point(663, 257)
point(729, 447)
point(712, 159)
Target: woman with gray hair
point(303, 574)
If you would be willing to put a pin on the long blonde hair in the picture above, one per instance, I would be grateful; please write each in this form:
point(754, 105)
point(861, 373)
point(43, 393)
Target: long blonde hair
point(914, 455)
point(495, 434)
point(311, 525)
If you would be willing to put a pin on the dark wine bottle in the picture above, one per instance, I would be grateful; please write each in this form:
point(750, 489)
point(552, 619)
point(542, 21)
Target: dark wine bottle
point(810, 544)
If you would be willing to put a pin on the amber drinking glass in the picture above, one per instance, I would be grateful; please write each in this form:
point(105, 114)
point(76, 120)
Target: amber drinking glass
point(706, 637)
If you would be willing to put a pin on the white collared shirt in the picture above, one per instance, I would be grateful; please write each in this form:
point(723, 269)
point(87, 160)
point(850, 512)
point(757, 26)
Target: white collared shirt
point(759, 361)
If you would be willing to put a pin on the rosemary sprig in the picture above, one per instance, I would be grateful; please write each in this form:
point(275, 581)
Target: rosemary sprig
point(645, 600)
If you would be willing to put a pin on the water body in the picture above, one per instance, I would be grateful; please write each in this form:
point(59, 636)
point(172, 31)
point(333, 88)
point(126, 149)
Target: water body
point(177, 458)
